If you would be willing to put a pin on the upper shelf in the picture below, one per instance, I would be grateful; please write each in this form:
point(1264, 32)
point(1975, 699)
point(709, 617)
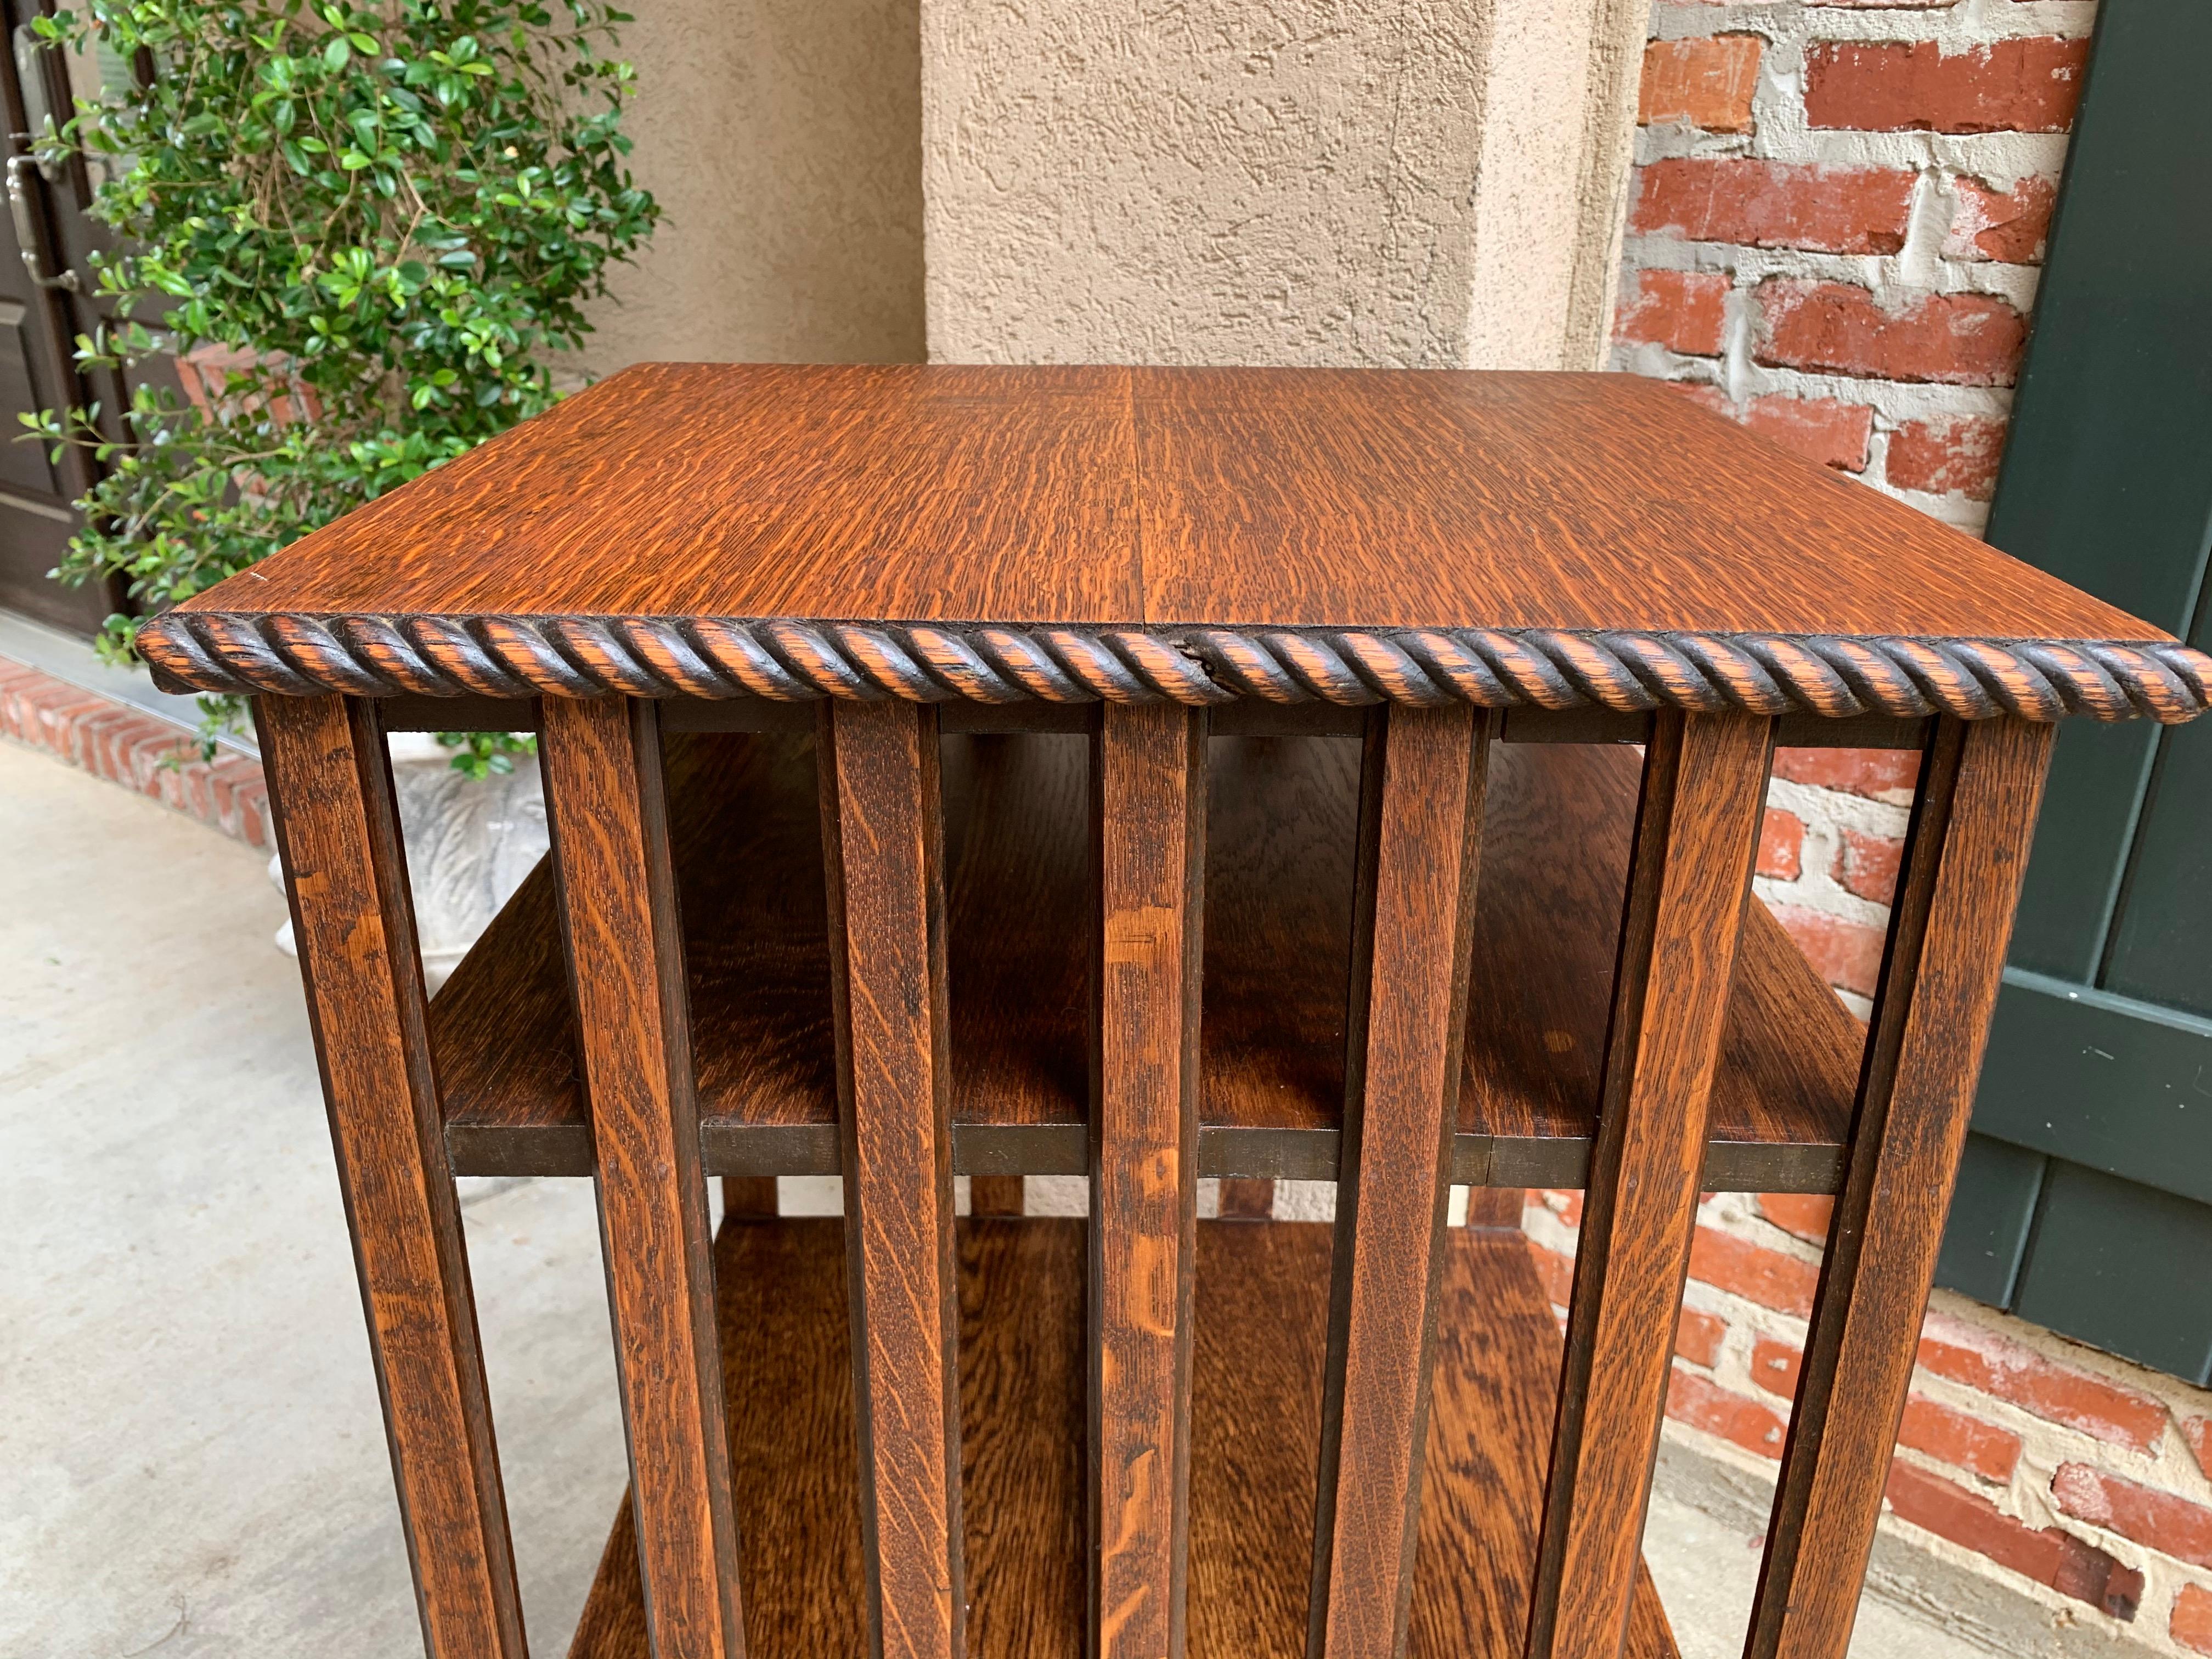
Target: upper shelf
point(703, 530)
point(1282, 824)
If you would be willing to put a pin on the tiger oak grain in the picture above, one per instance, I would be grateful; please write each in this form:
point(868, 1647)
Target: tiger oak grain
point(1705, 785)
point(882, 854)
point(1269, 497)
point(606, 807)
point(337, 827)
point(1421, 831)
point(1149, 791)
point(1967, 850)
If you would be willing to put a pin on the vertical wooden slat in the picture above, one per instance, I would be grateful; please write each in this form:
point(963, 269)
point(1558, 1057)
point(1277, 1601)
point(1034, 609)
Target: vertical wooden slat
point(883, 835)
point(339, 834)
point(1420, 835)
point(1149, 794)
point(609, 816)
point(1690, 877)
point(1980, 787)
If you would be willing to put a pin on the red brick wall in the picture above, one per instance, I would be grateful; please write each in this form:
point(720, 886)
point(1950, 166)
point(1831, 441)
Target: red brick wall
point(2076, 1477)
point(135, 749)
point(1836, 219)
point(1834, 232)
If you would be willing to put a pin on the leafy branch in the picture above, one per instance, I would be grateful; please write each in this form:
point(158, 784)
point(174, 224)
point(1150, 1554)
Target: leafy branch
point(366, 232)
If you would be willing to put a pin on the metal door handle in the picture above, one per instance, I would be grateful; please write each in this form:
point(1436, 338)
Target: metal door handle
point(21, 209)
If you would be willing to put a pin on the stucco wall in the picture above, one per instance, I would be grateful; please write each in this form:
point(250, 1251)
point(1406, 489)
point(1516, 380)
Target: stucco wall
point(1559, 126)
point(1302, 183)
point(782, 138)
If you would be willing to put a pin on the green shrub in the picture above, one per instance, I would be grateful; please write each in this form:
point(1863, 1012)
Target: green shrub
point(381, 222)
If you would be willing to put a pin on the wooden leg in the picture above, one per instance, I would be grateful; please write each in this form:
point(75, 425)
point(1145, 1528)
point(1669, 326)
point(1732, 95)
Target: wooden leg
point(606, 801)
point(339, 833)
point(1981, 785)
point(1420, 834)
point(1704, 780)
point(1150, 797)
point(883, 834)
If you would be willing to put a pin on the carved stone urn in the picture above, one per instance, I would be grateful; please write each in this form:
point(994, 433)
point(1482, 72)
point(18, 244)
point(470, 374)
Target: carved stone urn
point(470, 842)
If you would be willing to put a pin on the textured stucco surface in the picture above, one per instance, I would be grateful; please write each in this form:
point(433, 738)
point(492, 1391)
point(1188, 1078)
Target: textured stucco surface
point(1558, 132)
point(783, 139)
point(1292, 183)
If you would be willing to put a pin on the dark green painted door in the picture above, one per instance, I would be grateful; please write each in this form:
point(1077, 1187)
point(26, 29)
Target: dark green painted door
point(2085, 1202)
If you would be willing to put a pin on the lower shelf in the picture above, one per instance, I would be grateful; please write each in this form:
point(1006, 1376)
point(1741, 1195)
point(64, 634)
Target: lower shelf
point(1262, 1319)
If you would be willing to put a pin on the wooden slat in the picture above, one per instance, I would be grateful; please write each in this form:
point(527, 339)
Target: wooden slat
point(1282, 826)
point(1704, 790)
point(1422, 832)
point(882, 837)
point(1262, 1320)
point(347, 877)
point(1969, 842)
point(1150, 801)
point(609, 818)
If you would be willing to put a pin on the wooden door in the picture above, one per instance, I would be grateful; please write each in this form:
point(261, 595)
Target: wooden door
point(45, 304)
point(2086, 1193)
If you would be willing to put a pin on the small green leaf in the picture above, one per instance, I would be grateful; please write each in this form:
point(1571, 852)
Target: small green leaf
point(381, 257)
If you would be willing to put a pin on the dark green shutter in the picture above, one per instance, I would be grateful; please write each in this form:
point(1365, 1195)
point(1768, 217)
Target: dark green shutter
point(2085, 1202)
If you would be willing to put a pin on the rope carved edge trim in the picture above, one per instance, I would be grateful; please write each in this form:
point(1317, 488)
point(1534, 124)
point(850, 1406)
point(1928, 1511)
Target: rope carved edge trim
point(792, 661)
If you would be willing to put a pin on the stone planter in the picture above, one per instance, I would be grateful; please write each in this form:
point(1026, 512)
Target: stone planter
point(468, 845)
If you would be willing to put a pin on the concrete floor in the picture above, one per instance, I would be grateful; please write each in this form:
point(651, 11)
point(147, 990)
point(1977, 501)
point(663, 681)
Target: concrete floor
point(191, 1460)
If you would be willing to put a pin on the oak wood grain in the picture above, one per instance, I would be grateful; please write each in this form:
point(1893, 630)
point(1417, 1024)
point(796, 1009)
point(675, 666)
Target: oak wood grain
point(1263, 1300)
point(883, 831)
point(1968, 847)
point(1273, 497)
point(994, 1195)
point(788, 1383)
point(753, 1197)
point(1421, 833)
point(604, 801)
point(1150, 789)
point(1705, 785)
point(1024, 1367)
point(1245, 1199)
point(338, 832)
point(1282, 821)
point(1262, 1307)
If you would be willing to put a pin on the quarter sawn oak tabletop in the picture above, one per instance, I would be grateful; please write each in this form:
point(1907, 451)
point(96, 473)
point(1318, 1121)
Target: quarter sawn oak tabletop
point(1007, 533)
